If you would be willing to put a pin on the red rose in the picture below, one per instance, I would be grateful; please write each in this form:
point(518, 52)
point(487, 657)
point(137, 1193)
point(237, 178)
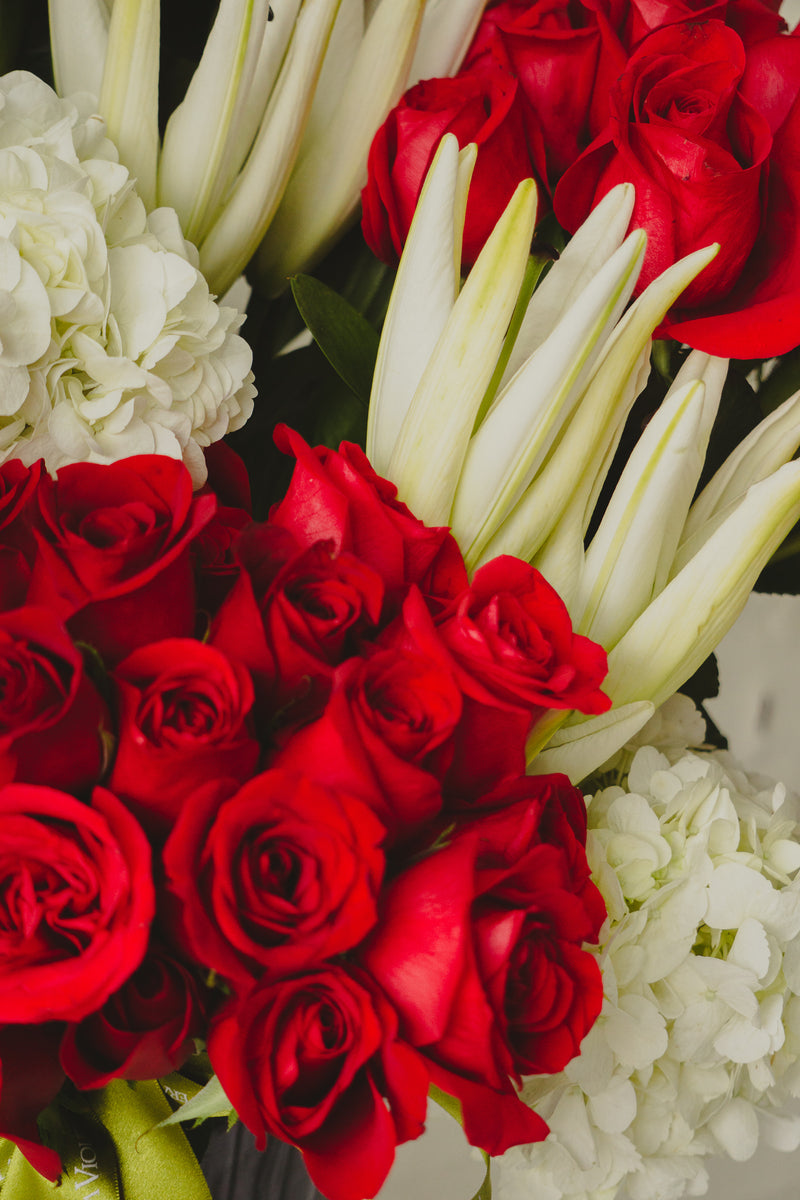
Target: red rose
point(336, 495)
point(113, 551)
point(145, 1029)
point(17, 488)
point(565, 56)
point(317, 1062)
point(216, 567)
point(752, 19)
point(30, 1078)
point(281, 875)
point(479, 105)
point(77, 902)
point(698, 131)
point(51, 715)
point(183, 718)
point(386, 735)
point(510, 637)
point(479, 949)
point(294, 614)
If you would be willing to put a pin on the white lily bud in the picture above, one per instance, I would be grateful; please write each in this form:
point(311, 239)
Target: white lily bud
point(631, 554)
point(527, 417)
point(195, 166)
point(430, 449)
point(425, 290)
point(448, 27)
point(682, 625)
point(771, 444)
point(129, 90)
point(322, 195)
point(254, 200)
point(577, 750)
point(78, 44)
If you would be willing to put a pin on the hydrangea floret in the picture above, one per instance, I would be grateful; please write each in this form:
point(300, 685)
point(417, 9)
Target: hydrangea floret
point(697, 1049)
point(110, 341)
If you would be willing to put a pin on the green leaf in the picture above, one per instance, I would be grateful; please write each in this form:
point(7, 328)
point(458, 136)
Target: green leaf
point(347, 340)
point(449, 1103)
point(484, 1192)
point(210, 1101)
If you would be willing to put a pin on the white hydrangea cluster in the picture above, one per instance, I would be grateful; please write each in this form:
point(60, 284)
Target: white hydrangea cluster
point(110, 342)
point(697, 1049)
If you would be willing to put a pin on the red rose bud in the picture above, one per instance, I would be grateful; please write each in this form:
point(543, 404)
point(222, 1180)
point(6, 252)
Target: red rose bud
point(480, 105)
point(144, 1030)
point(705, 130)
point(385, 736)
point(77, 900)
point(317, 1061)
point(113, 551)
point(294, 615)
point(183, 713)
point(283, 874)
point(336, 495)
point(564, 56)
point(47, 702)
point(485, 936)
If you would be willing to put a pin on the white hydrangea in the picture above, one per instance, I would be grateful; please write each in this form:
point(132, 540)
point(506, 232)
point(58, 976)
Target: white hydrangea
point(110, 342)
point(697, 1048)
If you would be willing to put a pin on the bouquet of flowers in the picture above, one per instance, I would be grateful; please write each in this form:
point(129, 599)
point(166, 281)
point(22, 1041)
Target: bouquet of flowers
point(291, 738)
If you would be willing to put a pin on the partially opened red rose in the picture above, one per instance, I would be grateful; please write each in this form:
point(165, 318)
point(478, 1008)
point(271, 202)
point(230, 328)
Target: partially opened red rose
point(317, 1061)
point(479, 105)
point(77, 900)
point(705, 129)
point(113, 551)
point(284, 873)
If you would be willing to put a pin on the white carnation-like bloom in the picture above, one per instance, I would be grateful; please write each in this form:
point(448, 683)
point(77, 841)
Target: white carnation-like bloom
point(697, 1048)
point(110, 342)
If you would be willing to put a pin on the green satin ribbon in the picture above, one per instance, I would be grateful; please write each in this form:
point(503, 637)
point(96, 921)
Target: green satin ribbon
point(111, 1148)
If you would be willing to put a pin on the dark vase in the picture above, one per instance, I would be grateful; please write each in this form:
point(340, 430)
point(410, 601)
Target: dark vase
point(235, 1170)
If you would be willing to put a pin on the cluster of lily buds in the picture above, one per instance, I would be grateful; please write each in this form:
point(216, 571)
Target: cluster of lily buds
point(272, 135)
point(510, 444)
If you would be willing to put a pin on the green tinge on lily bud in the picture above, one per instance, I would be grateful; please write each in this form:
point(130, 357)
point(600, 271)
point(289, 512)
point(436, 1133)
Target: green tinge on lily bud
point(448, 27)
point(771, 444)
point(522, 424)
point(78, 44)
point(250, 207)
point(198, 133)
point(573, 474)
point(682, 625)
point(577, 750)
point(587, 251)
point(423, 296)
point(345, 40)
point(129, 91)
point(429, 452)
point(322, 195)
point(630, 556)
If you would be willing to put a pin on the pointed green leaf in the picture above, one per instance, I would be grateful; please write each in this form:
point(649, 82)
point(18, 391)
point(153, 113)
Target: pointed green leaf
point(347, 340)
point(210, 1101)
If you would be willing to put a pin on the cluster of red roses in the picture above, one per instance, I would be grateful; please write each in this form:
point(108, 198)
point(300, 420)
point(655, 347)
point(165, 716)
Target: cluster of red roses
point(289, 755)
point(696, 103)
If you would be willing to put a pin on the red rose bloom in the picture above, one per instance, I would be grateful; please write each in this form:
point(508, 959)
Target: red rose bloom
point(479, 949)
point(565, 55)
point(294, 614)
point(316, 1060)
point(145, 1029)
point(76, 902)
point(17, 488)
point(183, 718)
point(708, 139)
point(113, 551)
point(515, 655)
point(478, 105)
point(385, 735)
point(283, 874)
point(30, 1078)
point(336, 495)
point(48, 704)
